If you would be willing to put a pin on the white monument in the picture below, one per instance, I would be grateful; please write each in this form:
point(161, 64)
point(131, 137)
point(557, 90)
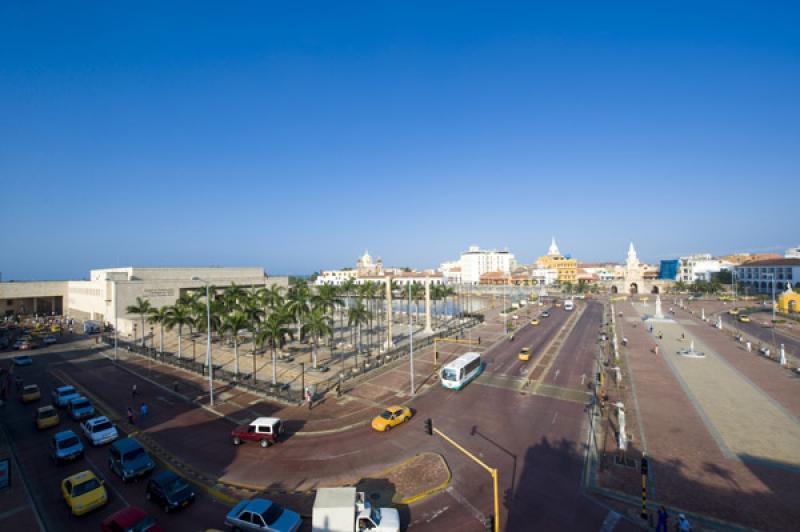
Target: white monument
point(691, 352)
point(658, 316)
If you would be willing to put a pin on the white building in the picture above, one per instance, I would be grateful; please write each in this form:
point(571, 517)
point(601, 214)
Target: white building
point(544, 276)
point(451, 271)
point(793, 253)
point(475, 262)
point(335, 277)
point(108, 292)
point(701, 267)
point(759, 275)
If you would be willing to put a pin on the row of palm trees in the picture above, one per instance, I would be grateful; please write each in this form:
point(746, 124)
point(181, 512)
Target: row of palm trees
point(273, 316)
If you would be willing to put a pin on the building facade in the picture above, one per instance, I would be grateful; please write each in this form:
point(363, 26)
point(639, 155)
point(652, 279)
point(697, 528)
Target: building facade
point(567, 268)
point(669, 269)
point(475, 262)
point(759, 276)
point(701, 267)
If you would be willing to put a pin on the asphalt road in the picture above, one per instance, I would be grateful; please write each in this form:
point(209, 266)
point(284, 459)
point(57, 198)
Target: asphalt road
point(44, 477)
point(503, 359)
point(765, 334)
point(574, 366)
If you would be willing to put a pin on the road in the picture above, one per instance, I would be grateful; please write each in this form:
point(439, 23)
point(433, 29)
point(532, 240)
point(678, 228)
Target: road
point(503, 359)
point(32, 448)
point(537, 444)
point(574, 366)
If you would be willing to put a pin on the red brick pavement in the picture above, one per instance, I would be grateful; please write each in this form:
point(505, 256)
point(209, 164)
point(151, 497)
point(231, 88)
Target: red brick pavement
point(688, 469)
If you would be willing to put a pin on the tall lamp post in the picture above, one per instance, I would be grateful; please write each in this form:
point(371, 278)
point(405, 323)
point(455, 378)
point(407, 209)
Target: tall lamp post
point(772, 283)
point(116, 322)
point(410, 339)
point(208, 348)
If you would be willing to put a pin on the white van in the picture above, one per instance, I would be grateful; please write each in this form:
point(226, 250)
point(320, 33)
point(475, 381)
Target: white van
point(569, 304)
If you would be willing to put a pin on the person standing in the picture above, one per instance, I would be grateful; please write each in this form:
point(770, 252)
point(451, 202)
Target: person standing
point(662, 519)
point(308, 397)
point(130, 416)
point(683, 524)
point(143, 410)
point(134, 391)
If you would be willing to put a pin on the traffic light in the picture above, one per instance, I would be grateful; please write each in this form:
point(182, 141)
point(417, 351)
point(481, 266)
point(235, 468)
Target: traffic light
point(429, 427)
point(490, 523)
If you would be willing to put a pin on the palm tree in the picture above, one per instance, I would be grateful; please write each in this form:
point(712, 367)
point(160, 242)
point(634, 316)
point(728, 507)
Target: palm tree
point(417, 292)
point(327, 298)
point(315, 326)
point(276, 333)
point(178, 315)
point(298, 304)
point(233, 323)
point(357, 316)
point(159, 316)
point(234, 297)
point(142, 308)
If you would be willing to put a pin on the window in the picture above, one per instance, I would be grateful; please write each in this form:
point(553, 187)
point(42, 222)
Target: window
point(247, 517)
point(265, 430)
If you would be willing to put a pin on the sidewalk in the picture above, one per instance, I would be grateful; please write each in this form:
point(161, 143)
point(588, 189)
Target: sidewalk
point(689, 468)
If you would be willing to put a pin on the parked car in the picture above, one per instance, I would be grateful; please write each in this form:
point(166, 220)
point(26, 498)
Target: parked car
point(26, 346)
point(99, 430)
point(130, 519)
point(63, 395)
point(83, 492)
point(391, 417)
point(744, 318)
point(49, 339)
point(128, 459)
point(169, 491)
point(80, 408)
point(46, 417)
point(264, 430)
point(23, 360)
point(30, 393)
point(262, 515)
point(65, 446)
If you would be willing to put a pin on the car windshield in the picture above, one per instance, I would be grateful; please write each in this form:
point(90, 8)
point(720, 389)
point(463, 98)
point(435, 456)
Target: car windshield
point(386, 414)
point(83, 403)
point(47, 413)
point(176, 485)
point(103, 425)
point(31, 388)
point(146, 523)
point(85, 487)
point(272, 514)
point(449, 374)
point(133, 455)
point(68, 442)
point(67, 391)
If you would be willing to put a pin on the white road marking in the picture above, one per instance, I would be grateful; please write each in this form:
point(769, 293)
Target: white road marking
point(437, 513)
point(107, 484)
point(610, 522)
point(557, 372)
point(464, 502)
point(164, 399)
point(555, 416)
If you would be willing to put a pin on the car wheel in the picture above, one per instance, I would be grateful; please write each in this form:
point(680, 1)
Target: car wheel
point(388, 428)
point(236, 440)
point(264, 443)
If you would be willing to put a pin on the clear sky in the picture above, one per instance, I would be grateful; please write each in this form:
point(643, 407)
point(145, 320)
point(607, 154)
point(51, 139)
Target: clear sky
point(294, 135)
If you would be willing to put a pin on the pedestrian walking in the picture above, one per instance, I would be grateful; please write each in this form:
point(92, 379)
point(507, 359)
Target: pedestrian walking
point(143, 410)
point(655, 350)
point(134, 391)
point(18, 383)
point(662, 519)
point(683, 336)
point(308, 397)
point(130, 416)
point(683, 524)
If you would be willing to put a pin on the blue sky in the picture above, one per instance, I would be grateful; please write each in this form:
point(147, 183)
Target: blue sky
point(295, 135)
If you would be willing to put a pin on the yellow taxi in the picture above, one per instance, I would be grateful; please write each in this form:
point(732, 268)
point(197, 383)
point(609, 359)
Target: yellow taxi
point(558, 304)
point(391, 417)
point(83, 492)
point(30, 393)
point(744, 318)
point(525, 354)
point(46, 417)
point(734, 312)
point(54, 328)
point(534, 322)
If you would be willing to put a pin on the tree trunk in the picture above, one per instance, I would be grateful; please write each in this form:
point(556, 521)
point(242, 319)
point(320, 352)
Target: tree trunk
point(236, 354)
point(314, 353)
point(274, 366)
point(161, 340)
point(180, 330)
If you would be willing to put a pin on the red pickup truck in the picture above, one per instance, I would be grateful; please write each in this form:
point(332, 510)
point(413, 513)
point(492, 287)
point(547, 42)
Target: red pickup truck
point(264, 430)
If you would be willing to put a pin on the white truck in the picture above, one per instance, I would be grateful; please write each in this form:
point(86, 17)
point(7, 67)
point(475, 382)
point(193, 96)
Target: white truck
point(348, 510)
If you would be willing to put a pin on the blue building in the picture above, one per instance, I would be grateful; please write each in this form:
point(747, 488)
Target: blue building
point(669, 269)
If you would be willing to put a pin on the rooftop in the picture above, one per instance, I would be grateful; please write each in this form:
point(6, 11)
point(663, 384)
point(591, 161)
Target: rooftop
point(772, 262)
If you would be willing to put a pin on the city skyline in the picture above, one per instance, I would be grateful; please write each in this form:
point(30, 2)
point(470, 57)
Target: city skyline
point(294, 139)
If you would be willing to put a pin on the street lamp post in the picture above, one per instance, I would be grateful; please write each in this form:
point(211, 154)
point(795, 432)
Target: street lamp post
point(410, 340)
point(208, 349)
point(116, 321)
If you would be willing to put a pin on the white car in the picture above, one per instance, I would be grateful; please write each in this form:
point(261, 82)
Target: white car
point(99, 430)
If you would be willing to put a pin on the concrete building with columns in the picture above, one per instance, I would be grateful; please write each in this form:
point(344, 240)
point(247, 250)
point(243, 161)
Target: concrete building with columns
point(108, 292)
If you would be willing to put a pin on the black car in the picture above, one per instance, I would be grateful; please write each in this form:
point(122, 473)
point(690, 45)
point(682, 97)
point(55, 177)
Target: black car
point(170, 491)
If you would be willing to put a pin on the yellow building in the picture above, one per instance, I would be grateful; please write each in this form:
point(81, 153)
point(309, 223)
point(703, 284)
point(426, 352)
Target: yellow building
point(567, 268)
point(789, 301)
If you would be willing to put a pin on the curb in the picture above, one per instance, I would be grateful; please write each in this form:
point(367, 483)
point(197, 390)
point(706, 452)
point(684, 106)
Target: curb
point(432, 491)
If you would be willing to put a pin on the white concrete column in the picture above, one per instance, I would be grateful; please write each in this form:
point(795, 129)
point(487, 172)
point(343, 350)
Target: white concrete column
point(389, 318)
point(428, 328)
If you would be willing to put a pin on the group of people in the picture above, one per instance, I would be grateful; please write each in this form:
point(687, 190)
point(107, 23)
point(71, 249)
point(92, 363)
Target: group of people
point(683, 524)
point(143, 408)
